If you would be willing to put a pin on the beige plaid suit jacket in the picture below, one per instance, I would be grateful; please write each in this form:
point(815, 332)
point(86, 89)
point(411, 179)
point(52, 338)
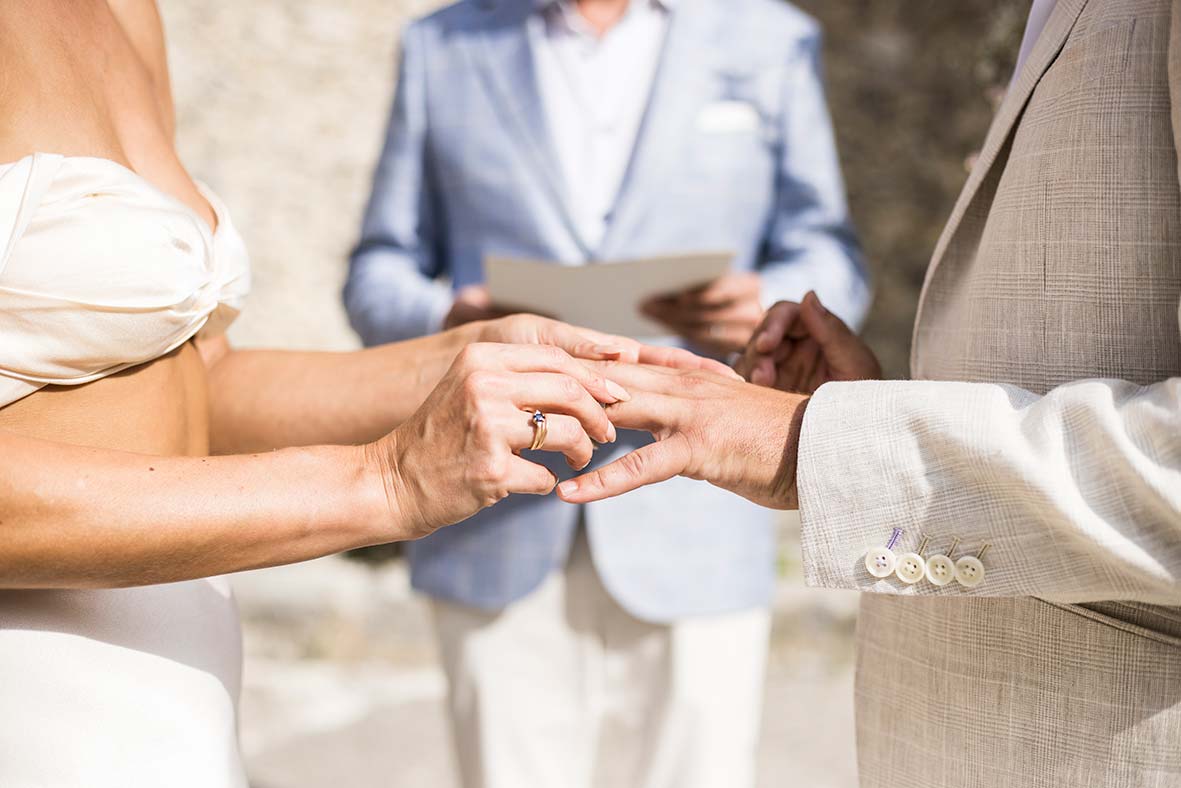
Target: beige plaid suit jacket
point(1044, 419)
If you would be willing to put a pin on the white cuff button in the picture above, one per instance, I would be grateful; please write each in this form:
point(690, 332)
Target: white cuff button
point(940, 570)
point(911, 568)
point(969, 571)
point(880, 562)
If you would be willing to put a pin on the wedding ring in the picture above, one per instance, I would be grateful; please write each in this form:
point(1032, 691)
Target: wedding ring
point(539, 430)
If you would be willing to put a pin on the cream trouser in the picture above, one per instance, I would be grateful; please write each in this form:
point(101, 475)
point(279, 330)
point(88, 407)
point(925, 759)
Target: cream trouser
point(565, 689)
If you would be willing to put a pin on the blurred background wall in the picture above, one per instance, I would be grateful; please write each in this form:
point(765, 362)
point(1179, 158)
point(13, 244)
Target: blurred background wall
point(281, 107)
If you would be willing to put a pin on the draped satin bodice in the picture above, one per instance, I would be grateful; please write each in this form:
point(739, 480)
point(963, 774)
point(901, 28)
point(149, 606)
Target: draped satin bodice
point(101, 271)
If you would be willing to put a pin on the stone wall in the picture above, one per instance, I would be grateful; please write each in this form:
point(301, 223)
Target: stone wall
point(282, 106)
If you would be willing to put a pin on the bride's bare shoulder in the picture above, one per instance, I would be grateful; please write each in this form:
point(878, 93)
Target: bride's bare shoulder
point(72, 72)
point(144, 28)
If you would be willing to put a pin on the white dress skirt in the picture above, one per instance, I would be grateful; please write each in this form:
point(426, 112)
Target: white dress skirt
point(126, 688)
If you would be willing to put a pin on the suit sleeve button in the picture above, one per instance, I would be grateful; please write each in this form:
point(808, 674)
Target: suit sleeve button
point(880, 562)
point(911, 568)
point(969, 571)
point(940, 570)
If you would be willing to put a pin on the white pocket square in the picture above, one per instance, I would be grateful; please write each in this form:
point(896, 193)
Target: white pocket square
point(727, 117)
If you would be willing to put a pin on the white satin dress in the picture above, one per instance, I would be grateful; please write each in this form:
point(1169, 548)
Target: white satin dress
point(101, 271)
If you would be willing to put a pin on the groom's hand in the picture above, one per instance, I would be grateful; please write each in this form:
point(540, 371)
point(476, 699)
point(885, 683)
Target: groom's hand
point(800, 347)
point(736, 436)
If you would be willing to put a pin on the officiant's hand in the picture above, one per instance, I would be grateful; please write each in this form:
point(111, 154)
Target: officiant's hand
point(471, 303)
point(719, 317)
point(800, 347)
point(740, 437)
point(585, 343)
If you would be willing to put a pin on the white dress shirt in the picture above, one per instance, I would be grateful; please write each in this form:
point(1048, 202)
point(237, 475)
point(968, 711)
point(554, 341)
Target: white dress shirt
point(595, 90)
point(1039, 14)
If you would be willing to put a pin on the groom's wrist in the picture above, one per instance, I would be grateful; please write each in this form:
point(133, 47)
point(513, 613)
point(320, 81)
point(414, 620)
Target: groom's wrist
point(758, 455)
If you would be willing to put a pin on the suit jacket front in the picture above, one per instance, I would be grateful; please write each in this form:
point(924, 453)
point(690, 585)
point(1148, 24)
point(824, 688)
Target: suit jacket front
point(1046, 422)
point(468, 170)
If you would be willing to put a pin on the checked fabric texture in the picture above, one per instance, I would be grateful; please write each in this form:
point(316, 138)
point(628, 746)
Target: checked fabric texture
point(1044, 418)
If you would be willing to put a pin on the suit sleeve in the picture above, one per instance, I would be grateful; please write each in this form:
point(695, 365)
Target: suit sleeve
point(1077, 491)
point(810, 243)
point(392, 292)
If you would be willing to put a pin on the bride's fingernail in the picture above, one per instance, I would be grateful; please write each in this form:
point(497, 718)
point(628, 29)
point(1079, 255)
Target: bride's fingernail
point(608, 350)
point(611, 434)
point(617, 391)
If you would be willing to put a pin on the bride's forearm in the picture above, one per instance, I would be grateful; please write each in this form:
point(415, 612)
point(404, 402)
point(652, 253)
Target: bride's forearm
point(76, 517)
point(265, 399)
point(73, 517)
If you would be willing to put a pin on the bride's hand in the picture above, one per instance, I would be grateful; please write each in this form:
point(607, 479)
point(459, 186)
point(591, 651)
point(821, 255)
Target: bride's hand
point(459, 452)
point(739, 437)
point(525, 329)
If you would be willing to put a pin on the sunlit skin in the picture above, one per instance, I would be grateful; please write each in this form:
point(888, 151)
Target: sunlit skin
point(742, 437)
point(112, 483)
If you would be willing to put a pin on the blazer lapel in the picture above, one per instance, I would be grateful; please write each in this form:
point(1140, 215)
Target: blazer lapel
point(505, 62)
point(1041, 57)
point(682, 77)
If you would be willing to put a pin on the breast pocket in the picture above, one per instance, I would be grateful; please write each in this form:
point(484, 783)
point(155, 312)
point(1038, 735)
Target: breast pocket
point(1095, 56)
point(731, 142)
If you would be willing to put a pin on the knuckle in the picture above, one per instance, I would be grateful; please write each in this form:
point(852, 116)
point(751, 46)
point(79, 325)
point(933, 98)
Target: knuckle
point(479, 384)
point(469, 356)
point(634, 464)
point(569, 389)
point(693, 381)
point(482, 425)
point(489, 471)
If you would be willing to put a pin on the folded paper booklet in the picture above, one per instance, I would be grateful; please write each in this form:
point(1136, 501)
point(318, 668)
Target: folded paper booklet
point(605, 296)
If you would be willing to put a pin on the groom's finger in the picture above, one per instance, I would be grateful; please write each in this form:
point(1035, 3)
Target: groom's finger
point(679, 358)
point(656, 462)
point(654, 413)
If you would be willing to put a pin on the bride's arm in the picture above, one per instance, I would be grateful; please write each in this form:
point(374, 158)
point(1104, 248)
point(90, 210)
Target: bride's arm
point(73, 517)
point(265, 399)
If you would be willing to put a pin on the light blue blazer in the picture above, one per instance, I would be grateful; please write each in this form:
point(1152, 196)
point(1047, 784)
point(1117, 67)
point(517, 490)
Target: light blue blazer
point(468, 170)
